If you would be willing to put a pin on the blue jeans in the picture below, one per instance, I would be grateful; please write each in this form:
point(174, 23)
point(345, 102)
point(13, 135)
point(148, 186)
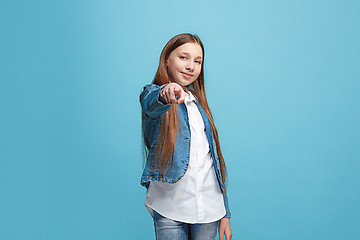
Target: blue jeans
point(167, 229)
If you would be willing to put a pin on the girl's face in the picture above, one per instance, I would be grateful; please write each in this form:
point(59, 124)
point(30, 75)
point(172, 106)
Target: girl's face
point(184, 63)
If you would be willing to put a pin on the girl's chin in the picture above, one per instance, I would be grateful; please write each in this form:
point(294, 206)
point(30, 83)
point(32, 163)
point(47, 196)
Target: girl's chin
point(183, 82)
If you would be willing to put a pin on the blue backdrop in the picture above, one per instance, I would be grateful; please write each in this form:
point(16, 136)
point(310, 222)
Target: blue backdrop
point(282, 81)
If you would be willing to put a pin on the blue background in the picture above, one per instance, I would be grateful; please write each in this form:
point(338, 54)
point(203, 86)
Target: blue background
point(282, 81)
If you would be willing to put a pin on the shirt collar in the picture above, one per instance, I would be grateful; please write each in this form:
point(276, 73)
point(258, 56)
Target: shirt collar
point(189, 97)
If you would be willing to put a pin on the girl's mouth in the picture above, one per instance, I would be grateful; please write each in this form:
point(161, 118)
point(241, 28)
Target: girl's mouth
point(186, 75)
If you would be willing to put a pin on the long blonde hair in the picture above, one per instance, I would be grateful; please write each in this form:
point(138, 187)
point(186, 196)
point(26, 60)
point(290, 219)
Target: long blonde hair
point(170, 125)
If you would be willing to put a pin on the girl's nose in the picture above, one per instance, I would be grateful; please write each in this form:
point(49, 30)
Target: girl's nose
point(190, 66)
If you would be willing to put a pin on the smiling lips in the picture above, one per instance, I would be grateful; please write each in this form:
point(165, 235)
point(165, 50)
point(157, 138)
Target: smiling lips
point(187, 75)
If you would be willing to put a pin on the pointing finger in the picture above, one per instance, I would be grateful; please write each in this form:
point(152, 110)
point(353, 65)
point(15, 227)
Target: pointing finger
point(181, 97)
point(180, 93)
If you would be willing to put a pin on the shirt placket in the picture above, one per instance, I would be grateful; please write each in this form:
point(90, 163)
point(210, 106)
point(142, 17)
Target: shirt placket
point(199, 178)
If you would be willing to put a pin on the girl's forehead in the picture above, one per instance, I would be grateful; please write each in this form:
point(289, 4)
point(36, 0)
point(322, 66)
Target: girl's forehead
point(190, 48)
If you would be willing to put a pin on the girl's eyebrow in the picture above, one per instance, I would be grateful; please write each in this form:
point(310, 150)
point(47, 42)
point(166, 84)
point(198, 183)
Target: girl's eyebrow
point(189, 54)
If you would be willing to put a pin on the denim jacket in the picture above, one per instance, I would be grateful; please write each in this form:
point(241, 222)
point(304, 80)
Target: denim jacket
point(153, 107)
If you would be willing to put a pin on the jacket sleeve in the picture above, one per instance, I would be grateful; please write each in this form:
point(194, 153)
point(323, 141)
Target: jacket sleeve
point(152, 103)
point(226, 203)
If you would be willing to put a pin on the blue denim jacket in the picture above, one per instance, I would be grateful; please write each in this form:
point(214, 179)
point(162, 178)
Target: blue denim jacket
point(153, 107)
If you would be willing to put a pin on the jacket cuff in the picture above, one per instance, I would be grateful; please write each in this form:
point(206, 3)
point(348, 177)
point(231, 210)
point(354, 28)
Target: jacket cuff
point(227, 215)
point(226, 203)
point(149, 100)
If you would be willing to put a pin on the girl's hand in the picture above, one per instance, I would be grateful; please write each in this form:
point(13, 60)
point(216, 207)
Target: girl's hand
point(171, 91)
point(224, 228)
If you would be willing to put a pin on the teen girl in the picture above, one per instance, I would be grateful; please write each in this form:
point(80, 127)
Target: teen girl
point(185, 171)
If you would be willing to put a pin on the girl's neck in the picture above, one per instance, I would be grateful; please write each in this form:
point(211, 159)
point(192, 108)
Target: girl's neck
point(186, 89)
point(189, 87)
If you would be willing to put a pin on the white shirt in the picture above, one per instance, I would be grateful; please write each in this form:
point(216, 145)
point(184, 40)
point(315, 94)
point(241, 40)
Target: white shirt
point(196, 197)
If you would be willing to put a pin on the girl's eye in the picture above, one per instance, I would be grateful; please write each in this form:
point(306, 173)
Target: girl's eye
point(199, 62)
point(182, 57)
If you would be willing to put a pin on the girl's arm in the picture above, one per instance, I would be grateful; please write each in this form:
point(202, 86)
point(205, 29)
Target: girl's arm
point(152, 103)
point(224, 226)
point(226, 203)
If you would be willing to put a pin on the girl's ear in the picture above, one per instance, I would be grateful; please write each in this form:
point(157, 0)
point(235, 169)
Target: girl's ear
point(166, 62)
